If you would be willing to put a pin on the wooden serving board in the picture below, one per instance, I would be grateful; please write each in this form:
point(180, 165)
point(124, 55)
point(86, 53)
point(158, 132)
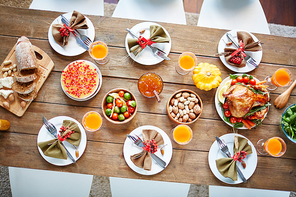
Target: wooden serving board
point(45, 67)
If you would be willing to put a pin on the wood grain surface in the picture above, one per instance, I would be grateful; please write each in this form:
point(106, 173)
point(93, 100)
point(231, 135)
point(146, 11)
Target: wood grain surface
point(103, 155)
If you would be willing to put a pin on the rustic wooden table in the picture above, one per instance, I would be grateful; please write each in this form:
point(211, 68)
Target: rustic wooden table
point(103, 155)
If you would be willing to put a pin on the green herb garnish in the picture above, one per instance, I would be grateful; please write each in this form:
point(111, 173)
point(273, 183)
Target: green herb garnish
point(289, 122)
point(256, 109)
point(252, 89)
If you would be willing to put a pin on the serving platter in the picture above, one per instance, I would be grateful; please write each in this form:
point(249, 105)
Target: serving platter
point(45, 67)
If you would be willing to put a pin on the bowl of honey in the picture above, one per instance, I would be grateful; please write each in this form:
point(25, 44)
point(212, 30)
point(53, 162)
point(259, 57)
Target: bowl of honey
point(150, 85)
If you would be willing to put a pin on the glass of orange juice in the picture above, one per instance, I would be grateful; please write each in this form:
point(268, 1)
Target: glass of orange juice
point(186, 63)
point(182, 134)
point(92, 121)
point(280, 78)
point(274, 146)
point(98, 50)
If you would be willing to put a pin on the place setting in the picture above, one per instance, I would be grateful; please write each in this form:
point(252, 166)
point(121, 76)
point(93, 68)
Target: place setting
point(234, 164)
point(240, 51)
point(148, 43)
point(69, 40)
point(147, 150)
point(61, 140)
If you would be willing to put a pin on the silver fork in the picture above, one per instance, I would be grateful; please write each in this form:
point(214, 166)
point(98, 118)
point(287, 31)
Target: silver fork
point(248, 58)
point(224, 148)
point(53, 130)
point(84, 38)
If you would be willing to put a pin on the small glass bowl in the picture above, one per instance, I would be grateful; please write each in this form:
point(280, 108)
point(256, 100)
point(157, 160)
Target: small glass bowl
point(282, 126)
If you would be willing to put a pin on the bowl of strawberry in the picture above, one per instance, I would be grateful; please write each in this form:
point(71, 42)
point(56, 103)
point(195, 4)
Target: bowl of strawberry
point(119, 106)
point(242, 101)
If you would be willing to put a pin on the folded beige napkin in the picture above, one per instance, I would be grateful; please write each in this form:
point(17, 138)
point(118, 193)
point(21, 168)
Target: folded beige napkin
point(77, 21)
point(249, 45)
point(157, 34)
point(145, 161)
point(227, 166)
point(53, 148)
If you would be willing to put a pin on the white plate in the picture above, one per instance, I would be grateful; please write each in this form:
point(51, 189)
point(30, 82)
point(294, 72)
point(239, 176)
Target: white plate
point(129, 148)
point(215, 153)
point(97, 88)
point(219, 108)
point(257, 55)
point(72, 48)
point(147, 57)
point(44, 135)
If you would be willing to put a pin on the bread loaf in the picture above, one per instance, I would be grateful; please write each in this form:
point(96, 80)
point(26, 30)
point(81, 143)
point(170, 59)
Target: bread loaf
point(25, 55)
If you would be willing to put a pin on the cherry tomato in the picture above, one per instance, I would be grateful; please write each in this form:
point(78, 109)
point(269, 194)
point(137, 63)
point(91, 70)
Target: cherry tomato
point(119, 102)
point(239, 119)
point(227, 113)
point(110, 105)
point(246, 80)
point(121, 93)
point(233, 120)
point(126, 114)
point(115, 116)
point(253, 82)
point(131, 110)
point(239, 79)
point(128, 103)
point(225, 106)
point(233, 81)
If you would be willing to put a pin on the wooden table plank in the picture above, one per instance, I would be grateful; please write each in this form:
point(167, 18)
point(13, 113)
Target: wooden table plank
point(204, 130)
point(100, 158)
point(199, 40)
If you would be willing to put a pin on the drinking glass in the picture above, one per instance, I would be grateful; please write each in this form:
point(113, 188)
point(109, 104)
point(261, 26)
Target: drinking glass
point(98, 50)
point(150, 85)
point(186, 63)
point(182, 134)
point(280, 78)
point(274, 146)
point(92, 121)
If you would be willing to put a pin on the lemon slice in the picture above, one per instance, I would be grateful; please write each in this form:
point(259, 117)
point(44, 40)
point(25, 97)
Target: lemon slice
point(221, 98)
point(223, 89)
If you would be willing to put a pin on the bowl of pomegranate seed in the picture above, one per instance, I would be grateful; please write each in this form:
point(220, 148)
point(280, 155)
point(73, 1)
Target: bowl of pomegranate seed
point(81, 80)
point(119, 106)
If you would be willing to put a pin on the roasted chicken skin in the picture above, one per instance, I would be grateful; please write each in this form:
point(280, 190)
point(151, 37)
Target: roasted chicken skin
point(241, 100)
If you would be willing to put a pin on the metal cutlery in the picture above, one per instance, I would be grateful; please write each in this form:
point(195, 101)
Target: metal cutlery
point(154, 49)
point(248, 58)
point(224, 148)
point(84, 41)
point(53, 131)
point(137, 141)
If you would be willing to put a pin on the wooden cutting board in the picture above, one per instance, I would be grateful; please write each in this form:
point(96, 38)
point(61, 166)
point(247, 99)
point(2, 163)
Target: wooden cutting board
point(45, 67)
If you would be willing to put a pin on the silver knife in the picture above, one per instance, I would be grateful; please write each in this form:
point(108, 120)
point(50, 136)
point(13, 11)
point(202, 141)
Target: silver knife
point(53, 132)
point(155, 157)
point(154, 49)
point(78, 39)
point(225, 150)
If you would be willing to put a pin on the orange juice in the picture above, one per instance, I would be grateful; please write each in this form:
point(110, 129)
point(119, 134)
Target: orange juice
point(92, 121)
point(281, 77)
point(186, 62)
point(275, 146)
point(182, 134)
point(99, 51)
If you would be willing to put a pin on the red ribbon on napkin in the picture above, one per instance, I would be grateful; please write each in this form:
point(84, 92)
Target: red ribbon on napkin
point(143, 42)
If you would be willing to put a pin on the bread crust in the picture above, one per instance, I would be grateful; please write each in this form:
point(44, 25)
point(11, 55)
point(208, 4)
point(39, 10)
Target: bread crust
point(25, 55)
